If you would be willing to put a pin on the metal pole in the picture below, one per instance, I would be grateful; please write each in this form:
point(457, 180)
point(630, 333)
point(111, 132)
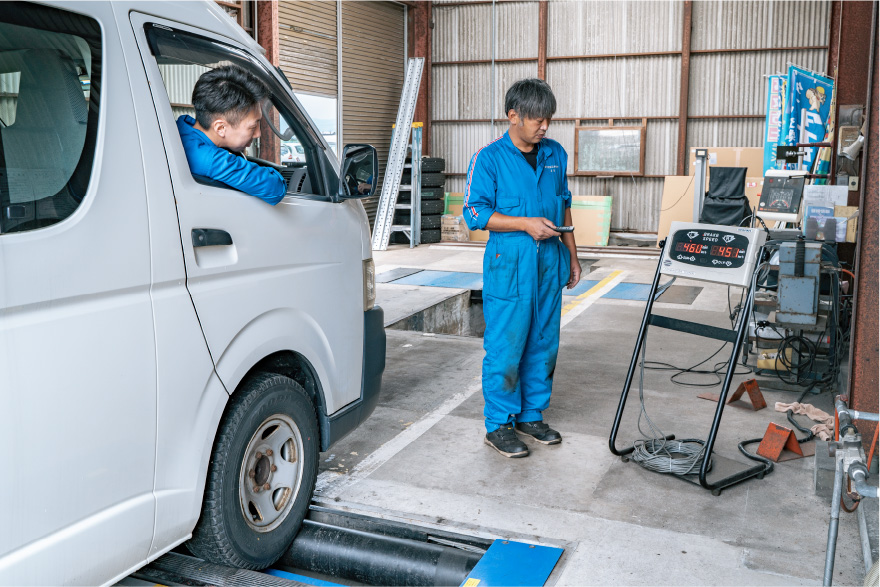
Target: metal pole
point(640, 340)
point(725, 388)
point(835, 521)
point(867, 557)
point(702, 161)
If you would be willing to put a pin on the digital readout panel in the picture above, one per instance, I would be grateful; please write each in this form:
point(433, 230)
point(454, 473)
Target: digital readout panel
point(709, 248)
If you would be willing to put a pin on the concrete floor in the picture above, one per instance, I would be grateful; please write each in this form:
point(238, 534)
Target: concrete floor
point(421, 456)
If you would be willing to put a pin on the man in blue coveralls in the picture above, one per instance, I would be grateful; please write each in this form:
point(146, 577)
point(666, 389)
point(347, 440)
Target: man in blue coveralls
point(517, 189)
point(227, 102)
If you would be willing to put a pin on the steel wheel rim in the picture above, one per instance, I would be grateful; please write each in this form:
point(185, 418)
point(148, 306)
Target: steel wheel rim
point(271, 473)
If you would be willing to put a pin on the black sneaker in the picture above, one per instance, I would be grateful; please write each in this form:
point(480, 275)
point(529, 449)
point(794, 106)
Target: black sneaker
point(506, 442)
point(540, 432)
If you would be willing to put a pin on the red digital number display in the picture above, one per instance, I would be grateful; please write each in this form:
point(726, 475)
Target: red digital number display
point(693, 248)
point(726, 252)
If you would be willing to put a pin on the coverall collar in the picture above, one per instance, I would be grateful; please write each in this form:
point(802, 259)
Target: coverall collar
point(544, 151)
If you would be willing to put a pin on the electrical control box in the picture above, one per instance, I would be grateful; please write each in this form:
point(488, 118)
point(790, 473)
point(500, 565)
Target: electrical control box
point(710, 252)
point(782, 196)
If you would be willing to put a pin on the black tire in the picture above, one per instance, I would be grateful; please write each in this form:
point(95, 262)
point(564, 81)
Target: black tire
point(433, 179)
point(429, 180)
point(262, 414)
point(432, 207)
point(433, 164)
point(426, 237)
point(429, 221)
point(427, 194)
point(430, 236)
point(428, 206)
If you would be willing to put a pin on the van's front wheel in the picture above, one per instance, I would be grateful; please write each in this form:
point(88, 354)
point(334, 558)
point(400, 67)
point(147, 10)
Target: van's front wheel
point(261, 476)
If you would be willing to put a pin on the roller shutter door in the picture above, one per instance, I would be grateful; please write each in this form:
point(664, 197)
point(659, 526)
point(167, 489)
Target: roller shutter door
point(307, 46)
point(373, 69)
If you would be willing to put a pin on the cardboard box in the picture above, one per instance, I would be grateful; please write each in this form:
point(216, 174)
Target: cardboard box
point(852, 220)
point(751, 158)
point(453, 229)
point(677, 202)
point(455, 206)
point(591, 218)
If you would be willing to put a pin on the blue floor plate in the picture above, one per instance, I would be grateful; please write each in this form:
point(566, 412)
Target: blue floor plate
point(301, 578)
point(453, 279)
point(513, 564)
point(461, 280)
point(394, 274)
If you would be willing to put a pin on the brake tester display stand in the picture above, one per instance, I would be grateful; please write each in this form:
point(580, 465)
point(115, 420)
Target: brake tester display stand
point(716, 472)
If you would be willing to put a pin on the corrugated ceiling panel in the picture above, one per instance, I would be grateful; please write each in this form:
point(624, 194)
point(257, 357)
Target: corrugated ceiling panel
point(307, 46)
point(734, 83)
point(562, 131)
point(461, 92)
point(180, 81)
point(627, 86)
point(735, 132)
point(515, 31)
point(505, 76)
point(604, 28)
point(462, 33)
point(760, 24)
point(458, 142)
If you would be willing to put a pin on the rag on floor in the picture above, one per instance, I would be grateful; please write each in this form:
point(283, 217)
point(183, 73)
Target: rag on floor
point(824, 429)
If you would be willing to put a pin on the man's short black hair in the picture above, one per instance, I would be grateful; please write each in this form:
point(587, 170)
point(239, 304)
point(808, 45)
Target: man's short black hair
point(230, 92)
point(530, 98)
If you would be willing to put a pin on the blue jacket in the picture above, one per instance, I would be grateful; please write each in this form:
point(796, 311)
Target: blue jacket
point(207, 159)
point(500, 179)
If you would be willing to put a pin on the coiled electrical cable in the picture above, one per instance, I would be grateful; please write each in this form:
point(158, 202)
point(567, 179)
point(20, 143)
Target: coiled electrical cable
point(659, 454)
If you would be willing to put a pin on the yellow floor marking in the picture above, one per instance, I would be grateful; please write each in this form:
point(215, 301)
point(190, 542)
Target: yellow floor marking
point(579, 299)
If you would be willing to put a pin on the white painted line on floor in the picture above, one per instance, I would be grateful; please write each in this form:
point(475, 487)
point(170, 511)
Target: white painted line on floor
point(331, 484)
point(576, 307)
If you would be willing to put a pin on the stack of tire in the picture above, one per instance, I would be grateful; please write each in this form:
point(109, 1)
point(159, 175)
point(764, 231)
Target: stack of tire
point(432, 201)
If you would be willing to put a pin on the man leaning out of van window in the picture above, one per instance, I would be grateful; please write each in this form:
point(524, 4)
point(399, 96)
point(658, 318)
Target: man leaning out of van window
point(227, 101)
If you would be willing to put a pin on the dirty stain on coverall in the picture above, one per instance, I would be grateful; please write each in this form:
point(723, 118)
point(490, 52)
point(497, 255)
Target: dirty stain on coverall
point(522, 278)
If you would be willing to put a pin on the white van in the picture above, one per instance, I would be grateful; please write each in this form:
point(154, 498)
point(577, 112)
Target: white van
point(173, 353)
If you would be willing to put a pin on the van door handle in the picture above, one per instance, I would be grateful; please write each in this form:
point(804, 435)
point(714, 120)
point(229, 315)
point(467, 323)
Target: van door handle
point(209, 237)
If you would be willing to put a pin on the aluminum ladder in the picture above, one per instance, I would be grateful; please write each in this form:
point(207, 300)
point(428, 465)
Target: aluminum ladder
point(413, 230)
point(397, 159)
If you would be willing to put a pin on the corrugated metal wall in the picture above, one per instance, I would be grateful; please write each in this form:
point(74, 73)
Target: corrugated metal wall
point(726, 83)
point(307, 46)
point(373, 71)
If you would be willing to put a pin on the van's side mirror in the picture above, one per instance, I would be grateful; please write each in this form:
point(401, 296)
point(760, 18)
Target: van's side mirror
point(359, 172)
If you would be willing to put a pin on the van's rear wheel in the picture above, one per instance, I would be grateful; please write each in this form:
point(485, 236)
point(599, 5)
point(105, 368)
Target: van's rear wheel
point(261, 476)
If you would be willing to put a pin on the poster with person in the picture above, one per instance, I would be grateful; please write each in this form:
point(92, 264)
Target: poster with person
point(808, 103)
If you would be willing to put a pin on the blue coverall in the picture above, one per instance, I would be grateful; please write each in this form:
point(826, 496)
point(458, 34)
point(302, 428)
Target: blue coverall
point(208, 160)
point(522, 278)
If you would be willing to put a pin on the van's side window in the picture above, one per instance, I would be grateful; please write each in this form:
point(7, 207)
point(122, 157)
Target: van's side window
point(50, 82)
point(285, 140)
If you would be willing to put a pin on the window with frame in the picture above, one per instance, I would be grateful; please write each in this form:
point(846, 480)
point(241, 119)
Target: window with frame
point(286, 142)
point(50, 79)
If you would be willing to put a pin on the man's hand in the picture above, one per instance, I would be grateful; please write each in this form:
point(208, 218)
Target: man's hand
point(538, 228)
point(575, 274)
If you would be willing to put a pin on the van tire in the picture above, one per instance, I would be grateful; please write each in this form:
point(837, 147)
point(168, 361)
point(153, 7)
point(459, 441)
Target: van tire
point(265, 406)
